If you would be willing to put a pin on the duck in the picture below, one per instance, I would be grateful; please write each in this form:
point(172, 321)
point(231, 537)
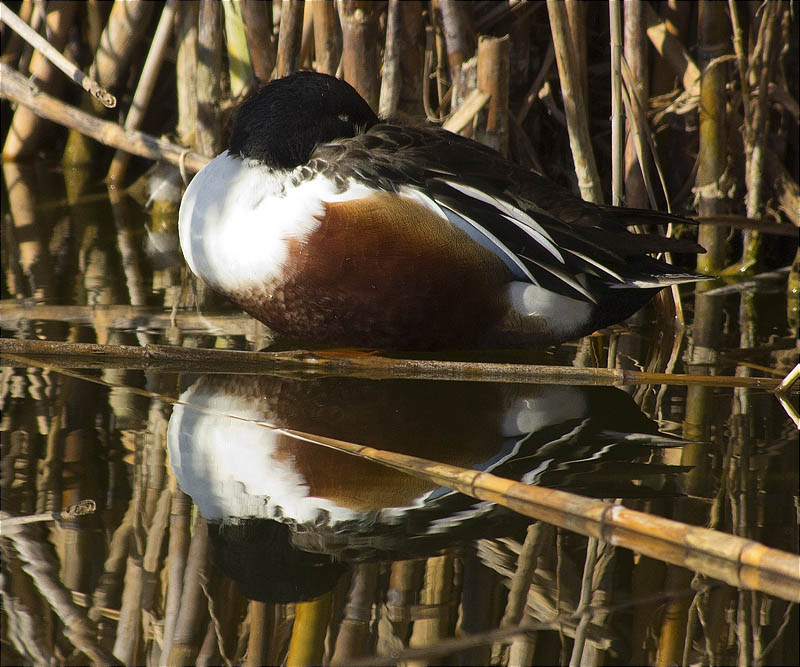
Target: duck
point(333, 226)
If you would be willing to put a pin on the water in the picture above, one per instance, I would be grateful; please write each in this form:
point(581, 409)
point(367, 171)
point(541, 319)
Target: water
point(223, 534)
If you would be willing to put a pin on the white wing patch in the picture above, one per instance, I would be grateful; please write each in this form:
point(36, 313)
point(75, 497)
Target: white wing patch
point(513, 214)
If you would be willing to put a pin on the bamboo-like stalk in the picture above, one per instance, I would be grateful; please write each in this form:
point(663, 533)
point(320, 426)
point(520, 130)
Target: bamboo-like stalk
point(24, 132)
point(327, 37)
point(352, 639)
point(636, 164)
point(308, 635)
point(128, 636)
point(617, 119)
point(712, 156)
point(186, 71)
point(257, 16)
point(576, 19)
point(261, 616)
point(360, 62)
point(15, 87)
point(194, 609)
point(436, 594)
point(458, 37)
point(307, 45)
point(493, 79)
point(521, 582)
point(376, 367)
point(55, 57)
point(209, 66)
point(124, 29)
point(240, 71)
point(177, 552)
point(144, 90)
point(391, 80)
point(37, 562)
point(574, 105)
point(289, 37)
point(14, 43)
point(755, 138)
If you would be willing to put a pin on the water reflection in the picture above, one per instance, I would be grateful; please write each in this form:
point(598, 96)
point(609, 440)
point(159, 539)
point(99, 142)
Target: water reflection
point(227, 454)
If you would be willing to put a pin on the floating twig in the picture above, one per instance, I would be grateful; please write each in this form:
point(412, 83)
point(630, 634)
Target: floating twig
point(376, 367)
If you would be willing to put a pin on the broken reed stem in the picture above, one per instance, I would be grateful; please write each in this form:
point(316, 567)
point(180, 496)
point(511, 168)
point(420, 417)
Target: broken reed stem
point(154, 356)
point(617, 120)
point(574, 105)
point(54, 56)
point(78, 509)
point(17, 88)
point(493, 78)
point(147, 83)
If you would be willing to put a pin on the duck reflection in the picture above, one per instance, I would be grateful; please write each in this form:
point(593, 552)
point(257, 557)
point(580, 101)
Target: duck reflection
point(305, 503)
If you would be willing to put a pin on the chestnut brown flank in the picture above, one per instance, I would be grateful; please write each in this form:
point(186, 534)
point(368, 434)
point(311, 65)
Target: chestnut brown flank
point(385, 271)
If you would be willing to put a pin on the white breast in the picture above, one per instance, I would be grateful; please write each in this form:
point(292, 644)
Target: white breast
point(237, 216)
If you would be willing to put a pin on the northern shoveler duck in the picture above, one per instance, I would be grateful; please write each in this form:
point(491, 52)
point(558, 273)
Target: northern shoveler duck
point(331, 225)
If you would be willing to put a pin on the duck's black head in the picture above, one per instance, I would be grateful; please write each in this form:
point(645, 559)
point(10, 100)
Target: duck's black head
point(282, 123)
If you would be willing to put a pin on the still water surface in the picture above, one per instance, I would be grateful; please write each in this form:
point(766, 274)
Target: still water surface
point(220, 537)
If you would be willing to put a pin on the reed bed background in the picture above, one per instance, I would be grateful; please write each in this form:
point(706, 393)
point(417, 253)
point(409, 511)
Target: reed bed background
point(688, 106)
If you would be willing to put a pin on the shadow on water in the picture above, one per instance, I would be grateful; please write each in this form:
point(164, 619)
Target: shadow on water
point(220, 539)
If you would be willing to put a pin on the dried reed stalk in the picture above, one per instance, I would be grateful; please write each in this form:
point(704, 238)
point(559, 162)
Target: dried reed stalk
point(712, 156)
point(38, 563)
point(737, 561)
point(574, 104)
point(636, 163)
point(352, 639)
point(357, 366)
point(64, 64)
point(14, 43)
point(290, 37)
point(186, 71)
point(360, 62)
point(762, 64)
point(311, 620)
point(617, 118)
point(493, 79)
point(186, 641)
point(391, 81)
point(458, 37)
point(24, 132)
point(257, 16)
point(147, 83)
point(327, 37)
point(15, 87)
point(209, 67)
point(240, 71)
